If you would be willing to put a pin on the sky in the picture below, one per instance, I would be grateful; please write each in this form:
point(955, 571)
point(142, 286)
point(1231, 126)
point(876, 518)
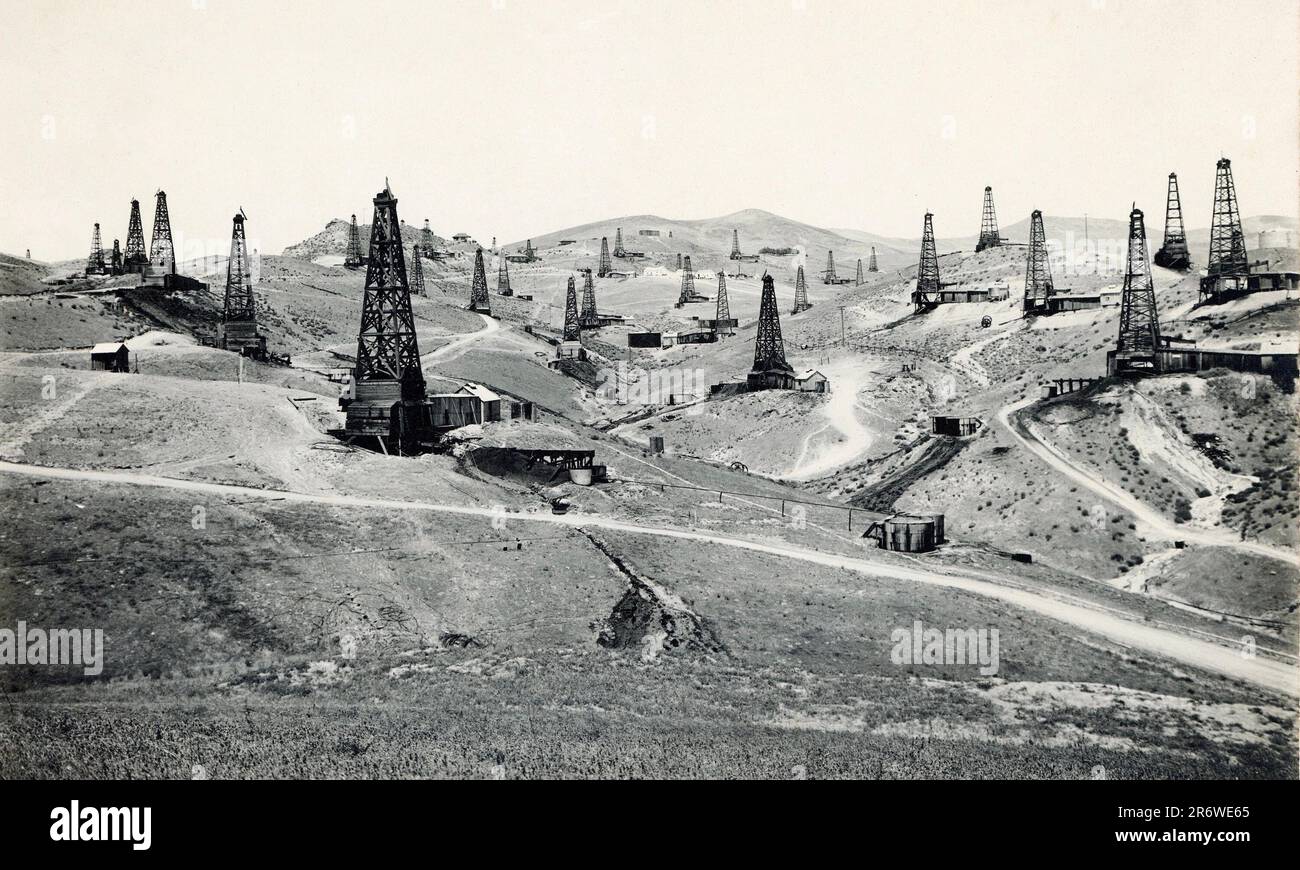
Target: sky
point(512, 119)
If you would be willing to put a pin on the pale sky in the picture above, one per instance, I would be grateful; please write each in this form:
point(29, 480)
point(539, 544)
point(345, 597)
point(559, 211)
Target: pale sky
point(514, 118)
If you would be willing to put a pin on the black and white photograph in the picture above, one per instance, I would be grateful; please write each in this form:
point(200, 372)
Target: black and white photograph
point(607, 390)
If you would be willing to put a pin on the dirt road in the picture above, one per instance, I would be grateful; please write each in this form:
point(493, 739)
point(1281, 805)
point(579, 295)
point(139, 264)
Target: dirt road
point(1152, 518)
point(1258, 669)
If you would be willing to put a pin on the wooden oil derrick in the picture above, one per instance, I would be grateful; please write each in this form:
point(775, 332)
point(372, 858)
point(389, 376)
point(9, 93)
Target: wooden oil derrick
point(1173, 253)
point(770, 369)
point(161, 250)
point(95, 262)
point(589, 319)
point(828, 276)
point(871, 264)
point(801, 302)
point(989, 237)
point(722, 322)
point(688, 284)
point(572, 325)
point(859, 279)
point(1038, 272)
point(618, 243)
point(415, 275)
point(1136, 351)
point(605, 266)
point(735, 245)
point(503, 278)
point(926, 294)
point(353, 259)
point(239, 313)
point(134, 256)
point(387, 350)
point(115, 265)
point(478, 291)
point(1227, 258)
point(427, 245)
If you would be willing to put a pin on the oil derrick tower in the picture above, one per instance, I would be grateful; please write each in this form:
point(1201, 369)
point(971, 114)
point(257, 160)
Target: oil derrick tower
point(770, 370)
point(95, 262)
point(1038, 273)
point(588, 319)
point(871, 264)
point(478, 292)
point(688, 284)
point(572, 327)
point(353, 259)
point(135, 258)
point(115, 265)
point(1226, 267)
point(989, 237)
point(426, 239)
point(529, 253)
point(239, 316)
point(679, 262)
point(722, 324)
point(926, 295)
point(801, 302)
point(618, 243)
point(1137, 350)
point(859, 280)
point(162, 252)
point(503, 278)
point(415, 275)
point(605, 265)
point(829, 277)
point(389, 398)
point(735, 245)
point(1173, 254)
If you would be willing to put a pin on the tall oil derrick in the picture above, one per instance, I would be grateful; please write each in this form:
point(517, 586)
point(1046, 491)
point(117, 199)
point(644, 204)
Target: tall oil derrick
point(989, 237)
point(1139, 325)
point(388, 355)
point(135, 257)
point(426, 239)
point(605, 265)
point(415, 272)
point(1173, 253)
point(352, 259)
point(588, 319)
point(115, 265)
point(770, 369)
point(829, 276)
point(679, 262)
point(688, 284)
point(478, 292)
point(859, 280)
point(801, 302)
point(1227, 244)
point(529, 253)
point(503, 278)
point(239, 315)
point(161, 251)
point(572, 326)
point(871, 264)
point(618, 243)
point(926, 295)
point(1038, 272)
point(722, 322)
point(95, 262)
point(735, 245)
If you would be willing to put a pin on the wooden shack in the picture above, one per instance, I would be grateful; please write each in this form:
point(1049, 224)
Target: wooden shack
point(110, 356)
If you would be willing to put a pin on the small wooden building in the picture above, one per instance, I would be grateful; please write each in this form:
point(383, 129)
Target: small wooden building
point(812, 381)
point(110, 356)
point(489, 402)
point(958, 427)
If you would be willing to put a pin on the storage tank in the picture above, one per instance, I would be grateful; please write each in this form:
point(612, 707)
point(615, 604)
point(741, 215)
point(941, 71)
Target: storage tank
point(909, 534)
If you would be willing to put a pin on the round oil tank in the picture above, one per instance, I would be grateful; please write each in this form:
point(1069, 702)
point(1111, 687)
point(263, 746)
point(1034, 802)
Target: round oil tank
point(580, 476)
point(910, 534)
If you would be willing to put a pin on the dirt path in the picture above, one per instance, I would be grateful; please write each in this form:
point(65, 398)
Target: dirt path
point(1103, 488)
point(1111, 624)
point(455, 348)
point(841, 414)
